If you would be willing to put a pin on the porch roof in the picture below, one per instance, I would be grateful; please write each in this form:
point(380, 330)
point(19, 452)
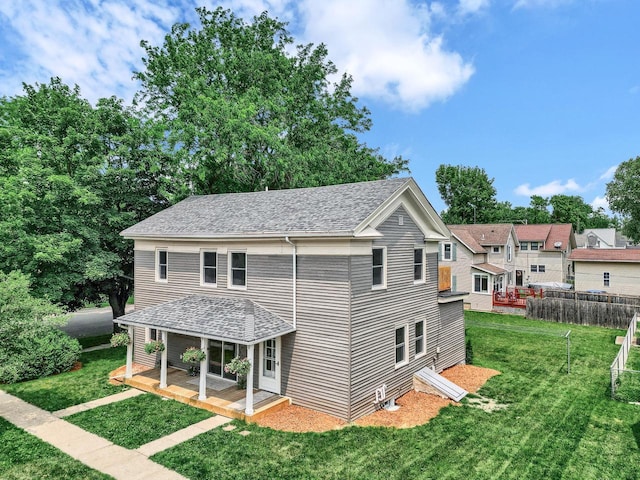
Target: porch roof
point(489, 268)
point(237, 320)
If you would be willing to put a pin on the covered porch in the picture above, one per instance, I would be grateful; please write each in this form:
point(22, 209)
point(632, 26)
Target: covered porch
point(221, 397)
point(207, 321)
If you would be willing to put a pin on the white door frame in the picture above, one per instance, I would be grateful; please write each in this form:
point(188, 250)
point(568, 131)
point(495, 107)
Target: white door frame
point(265, 382)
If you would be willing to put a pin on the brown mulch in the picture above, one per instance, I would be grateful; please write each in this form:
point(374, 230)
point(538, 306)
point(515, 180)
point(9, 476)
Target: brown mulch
point(415, 408)
point(116, 377)
point(76, 366)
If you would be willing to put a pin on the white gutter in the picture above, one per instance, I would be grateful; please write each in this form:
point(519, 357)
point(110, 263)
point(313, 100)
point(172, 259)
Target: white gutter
point(295, 279)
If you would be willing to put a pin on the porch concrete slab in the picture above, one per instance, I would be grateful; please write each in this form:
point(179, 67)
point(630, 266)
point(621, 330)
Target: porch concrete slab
point(183, 435)
point(132, 392)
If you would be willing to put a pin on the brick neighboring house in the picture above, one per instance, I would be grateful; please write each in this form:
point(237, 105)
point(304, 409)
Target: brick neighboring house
point(331, 292)
point(611, 270)
point(544, 253)
point(482, 259)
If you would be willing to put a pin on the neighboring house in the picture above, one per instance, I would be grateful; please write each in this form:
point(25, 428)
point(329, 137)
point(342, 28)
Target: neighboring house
point(609, 270)
point(482, 259)
point(543, 253)
point(601, 238)
point(330, 291)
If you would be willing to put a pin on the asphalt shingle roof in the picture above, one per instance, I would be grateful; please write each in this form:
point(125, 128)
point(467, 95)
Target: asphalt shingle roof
point(606, 255)
point(485, 234)
point(319, 210)
point(238, 320)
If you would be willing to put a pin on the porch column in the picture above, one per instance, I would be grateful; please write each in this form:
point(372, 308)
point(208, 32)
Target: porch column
point(128, 373)
point(202, 391)
point(163, 360)
point(249, 400)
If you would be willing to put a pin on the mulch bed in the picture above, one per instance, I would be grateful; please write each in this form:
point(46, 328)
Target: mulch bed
point(415, 408)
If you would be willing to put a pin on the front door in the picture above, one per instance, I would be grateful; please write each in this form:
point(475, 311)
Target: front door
point(519, 278)
point(269, 366)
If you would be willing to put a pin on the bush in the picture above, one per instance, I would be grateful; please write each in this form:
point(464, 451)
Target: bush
point(154, 346)
point(31, 344)
point(38, 354)
point(468, 353)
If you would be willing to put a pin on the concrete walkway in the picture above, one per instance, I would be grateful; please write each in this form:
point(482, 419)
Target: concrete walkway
point(95, 451)
point(132, 392)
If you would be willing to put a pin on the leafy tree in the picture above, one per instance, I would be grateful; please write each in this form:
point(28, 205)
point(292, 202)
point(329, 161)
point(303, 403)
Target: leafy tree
point(74, 176)
point(242, 113)
point(468, 193)
point(538, 211)
point(573, 209)
point(31, 344)
point(623, 192)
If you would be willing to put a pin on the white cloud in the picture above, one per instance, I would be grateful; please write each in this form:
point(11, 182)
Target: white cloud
point(540, 3)
point(608, 175)
point(555, 187)
point(387, 46)
point(600, 202)
point(466, 7)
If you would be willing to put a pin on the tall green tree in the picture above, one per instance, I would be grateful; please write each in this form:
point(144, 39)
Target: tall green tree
point(623, 192)
point(243, 113)
point(73, 176)
point(573, 209)
point(468, 194)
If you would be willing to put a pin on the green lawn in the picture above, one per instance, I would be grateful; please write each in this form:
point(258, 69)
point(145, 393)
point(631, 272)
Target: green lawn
point(25, 457)
point(556, 426)
point(71, 388)
point(138, 420)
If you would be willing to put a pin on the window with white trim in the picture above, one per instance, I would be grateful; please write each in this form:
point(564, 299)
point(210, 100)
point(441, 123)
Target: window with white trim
point(534, 268)
point(541, 268)
point(535, 245)
point(447, 249)
point(238, 270)
point(508, 253)
point(524, 245)
point(379, 267)
point(402, 341)
point(420, 338)
point(151, 334)
point(418, 265)
point(162, 265)
point(209, 267)
point(480, 283)
point(606, 278)
point(496, 249)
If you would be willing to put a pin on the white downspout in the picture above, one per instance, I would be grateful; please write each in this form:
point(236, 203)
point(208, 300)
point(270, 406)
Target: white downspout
point(295, 279)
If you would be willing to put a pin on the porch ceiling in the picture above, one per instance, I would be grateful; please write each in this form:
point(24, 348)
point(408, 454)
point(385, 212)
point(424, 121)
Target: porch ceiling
point(238, 320)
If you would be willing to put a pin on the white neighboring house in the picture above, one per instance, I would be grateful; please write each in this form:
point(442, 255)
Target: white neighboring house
point(601, 238)
point(482, 260)
point(544, 252)
point(607, 269)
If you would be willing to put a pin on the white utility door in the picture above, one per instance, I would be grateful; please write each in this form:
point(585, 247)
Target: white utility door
point(269, 366)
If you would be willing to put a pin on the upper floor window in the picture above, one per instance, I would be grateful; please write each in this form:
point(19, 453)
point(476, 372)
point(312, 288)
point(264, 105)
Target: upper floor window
point(418, 264)
point(209, 267)
point(508, 253)
point(496, 249)
point(606, 278)
point(524, 245)
point(238, 270)
point(535, 245)
point(541, 268)
point(480, 283)
point(162, 264)
point(401, 346)
point(419, 338)
point(447, 251)
point(534, 268)
point(379, 261)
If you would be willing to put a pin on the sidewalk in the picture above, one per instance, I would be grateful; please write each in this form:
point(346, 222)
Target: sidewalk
point(95, 451)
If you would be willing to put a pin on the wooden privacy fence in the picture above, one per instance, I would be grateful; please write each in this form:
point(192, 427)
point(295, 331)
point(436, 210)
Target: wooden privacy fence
point(584, 308)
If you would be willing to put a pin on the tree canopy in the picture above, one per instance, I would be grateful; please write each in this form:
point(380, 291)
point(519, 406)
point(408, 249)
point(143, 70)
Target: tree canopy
point(623, 192)
point(243, 113)
point(468, 193)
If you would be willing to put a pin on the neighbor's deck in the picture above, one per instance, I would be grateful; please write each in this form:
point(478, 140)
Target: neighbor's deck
point(228, 401)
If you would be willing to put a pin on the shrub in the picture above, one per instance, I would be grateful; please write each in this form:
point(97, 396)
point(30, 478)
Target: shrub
point(468, 353)
point(31, 344)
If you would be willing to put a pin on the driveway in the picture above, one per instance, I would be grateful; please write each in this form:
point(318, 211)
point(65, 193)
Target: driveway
point(90, 322)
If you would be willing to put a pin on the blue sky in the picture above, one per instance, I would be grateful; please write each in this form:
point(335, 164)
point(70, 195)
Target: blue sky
point(542, 94)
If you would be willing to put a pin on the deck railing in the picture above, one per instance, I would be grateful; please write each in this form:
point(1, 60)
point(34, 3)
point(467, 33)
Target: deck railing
point(515, 297)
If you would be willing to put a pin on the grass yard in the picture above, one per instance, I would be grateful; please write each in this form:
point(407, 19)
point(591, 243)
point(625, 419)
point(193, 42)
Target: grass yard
point(29, 457)
point(72, 388)
point(557, 426)
point(138, 420)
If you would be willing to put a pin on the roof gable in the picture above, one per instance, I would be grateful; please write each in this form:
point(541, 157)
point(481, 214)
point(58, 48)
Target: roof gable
point(556, 236)
point(477, 236)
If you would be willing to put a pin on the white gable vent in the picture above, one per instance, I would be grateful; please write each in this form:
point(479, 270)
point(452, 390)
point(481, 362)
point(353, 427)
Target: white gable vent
point(400, 219)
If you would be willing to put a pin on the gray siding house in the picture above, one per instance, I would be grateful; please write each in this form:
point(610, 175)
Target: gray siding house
point(331, 292)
